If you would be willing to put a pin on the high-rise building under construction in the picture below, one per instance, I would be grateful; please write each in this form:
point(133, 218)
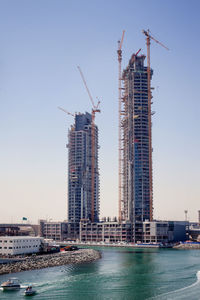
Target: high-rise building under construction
point(136, 142)
point(80, 170)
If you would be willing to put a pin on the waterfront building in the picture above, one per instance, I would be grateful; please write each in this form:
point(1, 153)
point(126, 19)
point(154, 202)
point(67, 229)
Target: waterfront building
point(144, 232)
point(59, 231)
point(160, 231)
point(14, 245)
point(80, 170)
point(107, 232)
point(136, 141)
point(194, 232)
point(53, 230)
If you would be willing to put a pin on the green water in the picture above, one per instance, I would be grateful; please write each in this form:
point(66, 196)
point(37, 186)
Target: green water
point(120, 274)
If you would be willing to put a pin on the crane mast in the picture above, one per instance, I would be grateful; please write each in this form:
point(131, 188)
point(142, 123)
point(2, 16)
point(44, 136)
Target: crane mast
point(119, 53)
point(95, 109)
point(148, 38)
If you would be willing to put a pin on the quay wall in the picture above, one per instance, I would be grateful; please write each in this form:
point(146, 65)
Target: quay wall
point(126, 245)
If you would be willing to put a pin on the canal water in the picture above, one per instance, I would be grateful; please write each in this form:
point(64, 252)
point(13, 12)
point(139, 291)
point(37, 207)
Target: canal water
point(121, 274)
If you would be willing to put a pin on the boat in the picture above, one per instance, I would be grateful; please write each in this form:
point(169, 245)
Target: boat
point(29, 291)
point(11, 284)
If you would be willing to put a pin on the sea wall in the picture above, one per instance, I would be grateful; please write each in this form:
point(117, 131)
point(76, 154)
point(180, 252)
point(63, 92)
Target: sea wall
point(50, 260)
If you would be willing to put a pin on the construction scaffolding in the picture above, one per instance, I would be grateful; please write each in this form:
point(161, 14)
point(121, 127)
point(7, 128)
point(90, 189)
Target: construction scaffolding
point(82, 203)
point(136, 141)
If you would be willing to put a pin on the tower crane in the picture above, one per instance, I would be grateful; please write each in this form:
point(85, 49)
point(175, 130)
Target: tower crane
point(73, 115)
point(148, 38)
point(95, 109)
point(119, 53)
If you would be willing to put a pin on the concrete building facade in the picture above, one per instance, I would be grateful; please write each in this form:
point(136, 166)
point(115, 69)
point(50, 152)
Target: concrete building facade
point(59, 231)
point(79, 170)
point(107, 232)
point(160, 231)
point(140, 232)
point(53, 230)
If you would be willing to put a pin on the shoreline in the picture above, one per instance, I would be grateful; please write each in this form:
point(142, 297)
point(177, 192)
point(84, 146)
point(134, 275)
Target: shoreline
point(180, 245)
point(128, 245)
point(50, 260)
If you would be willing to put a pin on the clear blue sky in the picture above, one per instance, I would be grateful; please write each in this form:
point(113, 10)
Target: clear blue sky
point(41, 44)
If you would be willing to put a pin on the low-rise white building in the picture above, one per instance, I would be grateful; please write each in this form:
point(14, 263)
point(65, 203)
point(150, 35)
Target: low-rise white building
point(14, 245)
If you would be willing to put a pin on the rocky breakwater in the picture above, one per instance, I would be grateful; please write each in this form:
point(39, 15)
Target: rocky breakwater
point(50, 260)
point(186, 246)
